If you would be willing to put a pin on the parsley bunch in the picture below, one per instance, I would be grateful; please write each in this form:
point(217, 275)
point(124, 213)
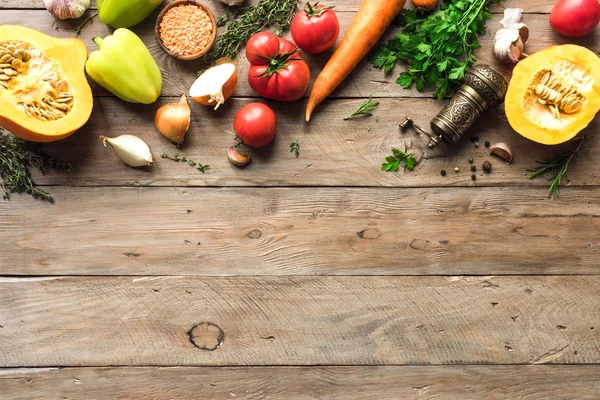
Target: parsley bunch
point(437, 49)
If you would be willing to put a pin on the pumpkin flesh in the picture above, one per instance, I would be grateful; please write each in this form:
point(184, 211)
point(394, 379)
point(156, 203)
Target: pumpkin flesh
point(44, 95)
point(554, 94)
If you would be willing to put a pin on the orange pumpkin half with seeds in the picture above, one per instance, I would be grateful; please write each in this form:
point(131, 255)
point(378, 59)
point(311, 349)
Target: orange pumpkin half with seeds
point(44, 94)
point(554, 94)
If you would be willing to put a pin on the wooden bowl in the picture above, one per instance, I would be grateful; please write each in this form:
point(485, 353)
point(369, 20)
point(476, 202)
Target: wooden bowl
point(190, 56)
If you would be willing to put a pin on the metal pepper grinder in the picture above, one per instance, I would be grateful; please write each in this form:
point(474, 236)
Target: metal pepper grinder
point(484, 88)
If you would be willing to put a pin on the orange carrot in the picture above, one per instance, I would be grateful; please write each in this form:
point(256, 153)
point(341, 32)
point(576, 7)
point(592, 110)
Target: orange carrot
point(425, 5)
point(369, 24)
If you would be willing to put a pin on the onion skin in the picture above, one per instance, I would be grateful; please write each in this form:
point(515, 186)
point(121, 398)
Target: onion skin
point(173, 120)
point(228, 89)
point(217, 99)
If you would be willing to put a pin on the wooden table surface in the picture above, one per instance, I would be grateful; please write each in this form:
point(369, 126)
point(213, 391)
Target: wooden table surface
point(312, 277)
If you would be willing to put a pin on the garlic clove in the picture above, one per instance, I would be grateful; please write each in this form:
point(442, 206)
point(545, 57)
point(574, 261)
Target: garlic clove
point(67, 9)
point(238, 159)
point(132, 150)
point(173, 120)
point(503, 151)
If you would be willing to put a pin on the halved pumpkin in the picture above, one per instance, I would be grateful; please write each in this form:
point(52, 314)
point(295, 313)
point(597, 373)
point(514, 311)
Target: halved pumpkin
point(554, 94)
point(44, 94)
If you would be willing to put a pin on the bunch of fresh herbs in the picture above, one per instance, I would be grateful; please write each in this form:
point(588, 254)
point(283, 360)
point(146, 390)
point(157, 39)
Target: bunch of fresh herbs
point(250, 19)
point(437, 49)
point(16, 155)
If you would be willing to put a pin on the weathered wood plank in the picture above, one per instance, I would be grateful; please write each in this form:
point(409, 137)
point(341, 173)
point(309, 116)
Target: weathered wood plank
point(556, 382)
point(365, 80)
point(333, 152)
point(532, 6)
point(298, 321)
point(187, 231)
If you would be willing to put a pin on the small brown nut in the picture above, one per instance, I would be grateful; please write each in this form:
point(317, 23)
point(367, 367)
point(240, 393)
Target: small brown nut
point(238, 159)
point(487, 166)
point(503, 151)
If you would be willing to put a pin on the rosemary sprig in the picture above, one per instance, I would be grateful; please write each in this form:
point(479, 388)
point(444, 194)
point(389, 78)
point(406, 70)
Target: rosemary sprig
point(558, 167)
point(365, 108)
point(295, 148)
point(15, 156)
point(200, 167)
point(246, 21)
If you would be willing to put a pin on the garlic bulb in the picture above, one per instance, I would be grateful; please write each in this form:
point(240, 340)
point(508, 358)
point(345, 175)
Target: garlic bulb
point(67, 9)
point(132, 150)
point(510, 41)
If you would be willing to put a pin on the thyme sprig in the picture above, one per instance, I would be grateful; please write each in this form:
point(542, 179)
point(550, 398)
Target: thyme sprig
point(558, 167)
point(246, 21)
point(200, 167)
point(16, 155)
point(365, 108)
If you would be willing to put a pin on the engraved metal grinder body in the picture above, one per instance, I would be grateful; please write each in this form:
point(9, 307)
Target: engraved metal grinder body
point(484, 88)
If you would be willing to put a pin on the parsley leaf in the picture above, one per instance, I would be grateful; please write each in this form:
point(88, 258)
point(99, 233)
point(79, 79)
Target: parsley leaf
point(397, 158)
point(437, 49)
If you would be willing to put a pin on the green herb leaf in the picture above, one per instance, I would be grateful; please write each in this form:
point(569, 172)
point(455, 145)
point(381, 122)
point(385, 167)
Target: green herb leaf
point(392, 163)
point(200, 167)
point(365, 108)
point(295, 148)
point(438, 48)
point(247, 20)
point(16, 155)
point(558, 167)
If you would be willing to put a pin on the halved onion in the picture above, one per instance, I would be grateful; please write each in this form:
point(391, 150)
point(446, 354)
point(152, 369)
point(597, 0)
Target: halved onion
point(215, 85)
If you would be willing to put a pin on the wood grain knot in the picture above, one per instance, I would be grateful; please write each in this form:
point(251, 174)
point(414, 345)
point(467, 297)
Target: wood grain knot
point(206, 336)
point(369, 233)
point(254, 234)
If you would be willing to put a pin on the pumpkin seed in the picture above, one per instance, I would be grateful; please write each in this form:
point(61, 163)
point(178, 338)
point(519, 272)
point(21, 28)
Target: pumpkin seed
point(4, 57)
point(4, 77)
point(10, 72)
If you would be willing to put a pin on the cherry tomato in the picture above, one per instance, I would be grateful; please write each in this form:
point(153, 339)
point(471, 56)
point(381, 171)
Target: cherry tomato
point(255, 124)
point(315, 28)
point(575, 18)
point(277, 71)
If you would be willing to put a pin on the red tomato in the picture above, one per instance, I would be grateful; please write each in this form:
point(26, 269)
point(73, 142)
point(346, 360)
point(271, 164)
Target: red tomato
point(315, 28)
point(277, 71)
point(255, 124)
point(575, 18)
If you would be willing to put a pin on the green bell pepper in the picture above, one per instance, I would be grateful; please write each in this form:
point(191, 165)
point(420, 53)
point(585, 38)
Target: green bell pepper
point(125, 13)
point(125, 67)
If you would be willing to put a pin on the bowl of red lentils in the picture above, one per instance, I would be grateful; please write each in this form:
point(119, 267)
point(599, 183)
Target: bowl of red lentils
point(186, 29)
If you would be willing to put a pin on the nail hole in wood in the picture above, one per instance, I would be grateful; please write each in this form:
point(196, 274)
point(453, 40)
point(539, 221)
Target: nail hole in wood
point(206, 336)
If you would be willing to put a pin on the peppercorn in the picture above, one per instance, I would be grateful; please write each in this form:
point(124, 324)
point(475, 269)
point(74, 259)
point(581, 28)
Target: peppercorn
point(487, 144)
point(473, 168)
point(471, 160)
point(456, 169)
point(473, 177)
point(443, 172)
point(476, 145)
point(487, 166)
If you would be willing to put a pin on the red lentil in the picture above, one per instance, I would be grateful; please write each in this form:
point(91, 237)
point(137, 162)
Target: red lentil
point(186, 30)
